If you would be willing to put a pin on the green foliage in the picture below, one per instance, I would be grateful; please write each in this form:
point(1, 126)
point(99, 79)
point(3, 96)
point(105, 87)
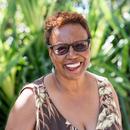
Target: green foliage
point(24, 56)
point(110, 48)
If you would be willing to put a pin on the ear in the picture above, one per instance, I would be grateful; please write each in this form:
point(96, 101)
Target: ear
point(51, 54)
point(90, 45)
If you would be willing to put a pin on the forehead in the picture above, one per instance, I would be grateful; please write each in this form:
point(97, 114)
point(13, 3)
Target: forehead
point(68, 33)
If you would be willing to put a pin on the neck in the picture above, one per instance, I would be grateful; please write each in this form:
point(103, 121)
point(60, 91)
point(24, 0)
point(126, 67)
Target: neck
point(68, 85)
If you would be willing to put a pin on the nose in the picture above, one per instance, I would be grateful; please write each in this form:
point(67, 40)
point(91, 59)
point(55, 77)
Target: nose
point(72, 53)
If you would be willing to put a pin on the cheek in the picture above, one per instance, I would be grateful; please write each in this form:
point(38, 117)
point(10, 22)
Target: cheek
point(86, 54)
point(56, 60)
point(50, 55)
point(53, 60)
point(88, 57)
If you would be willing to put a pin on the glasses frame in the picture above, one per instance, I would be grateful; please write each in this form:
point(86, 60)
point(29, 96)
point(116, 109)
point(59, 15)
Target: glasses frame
point(69, 45)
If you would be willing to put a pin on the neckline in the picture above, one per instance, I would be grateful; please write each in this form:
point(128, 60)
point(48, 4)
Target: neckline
point(67, 122)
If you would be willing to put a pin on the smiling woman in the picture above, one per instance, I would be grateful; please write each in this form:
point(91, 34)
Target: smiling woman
point(70, 52)
point(54, 101)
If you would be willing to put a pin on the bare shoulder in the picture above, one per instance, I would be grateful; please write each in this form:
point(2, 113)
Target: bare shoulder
point(22, 114)
point(107, 82)
point(114, 93)
point(115, 98)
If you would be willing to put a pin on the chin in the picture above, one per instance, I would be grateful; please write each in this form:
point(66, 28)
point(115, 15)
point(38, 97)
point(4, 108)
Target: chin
point(74, 76)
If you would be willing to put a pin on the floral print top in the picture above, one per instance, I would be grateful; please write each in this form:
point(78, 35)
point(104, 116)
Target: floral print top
point(49, 118)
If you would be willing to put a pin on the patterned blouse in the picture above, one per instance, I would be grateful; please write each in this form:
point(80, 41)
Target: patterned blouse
point(49, 118)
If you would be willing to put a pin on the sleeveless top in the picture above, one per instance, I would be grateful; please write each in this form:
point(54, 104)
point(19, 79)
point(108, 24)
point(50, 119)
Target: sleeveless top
point(49, 118)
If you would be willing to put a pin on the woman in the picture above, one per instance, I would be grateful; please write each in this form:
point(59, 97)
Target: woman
point(70, 98)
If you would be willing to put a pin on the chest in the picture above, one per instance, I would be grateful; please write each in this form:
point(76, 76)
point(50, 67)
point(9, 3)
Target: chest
point(81, 111)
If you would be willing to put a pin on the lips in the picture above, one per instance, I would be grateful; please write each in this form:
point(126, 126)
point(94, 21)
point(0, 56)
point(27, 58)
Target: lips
point(73, 66)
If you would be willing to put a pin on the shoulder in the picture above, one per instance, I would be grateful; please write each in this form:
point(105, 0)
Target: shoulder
point(23, 112)
point(103, 82)
point(34, 91)
point(107, 91)
point(25, 101)
point(101, 79)
point(98, 77)
point(34, 84)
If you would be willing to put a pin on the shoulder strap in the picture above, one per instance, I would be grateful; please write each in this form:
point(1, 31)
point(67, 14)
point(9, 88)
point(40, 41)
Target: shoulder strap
point(108, 107)
point(27, 86)
point(38, 83)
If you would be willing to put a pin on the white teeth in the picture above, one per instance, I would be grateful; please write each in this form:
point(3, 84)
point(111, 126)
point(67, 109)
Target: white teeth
point(73, 65)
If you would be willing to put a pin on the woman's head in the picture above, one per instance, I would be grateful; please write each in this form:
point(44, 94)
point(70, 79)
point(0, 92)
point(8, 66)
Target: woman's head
point(68, 37)
point(62, 18)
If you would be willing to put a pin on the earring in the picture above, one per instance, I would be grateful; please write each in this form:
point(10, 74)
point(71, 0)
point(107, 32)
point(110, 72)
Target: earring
point(53, 69)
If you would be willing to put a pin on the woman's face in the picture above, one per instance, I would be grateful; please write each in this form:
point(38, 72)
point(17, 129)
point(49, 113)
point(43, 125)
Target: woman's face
point(72, 64)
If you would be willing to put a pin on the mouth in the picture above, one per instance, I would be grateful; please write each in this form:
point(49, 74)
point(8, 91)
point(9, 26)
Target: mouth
point(73, 66)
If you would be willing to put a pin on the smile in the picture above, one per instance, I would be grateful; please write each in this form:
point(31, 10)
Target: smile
point(73, 66)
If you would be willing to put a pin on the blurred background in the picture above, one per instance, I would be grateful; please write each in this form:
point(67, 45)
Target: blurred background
point(24, 56)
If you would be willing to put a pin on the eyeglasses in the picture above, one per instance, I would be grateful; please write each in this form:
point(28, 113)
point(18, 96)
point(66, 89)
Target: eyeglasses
point(78, 46)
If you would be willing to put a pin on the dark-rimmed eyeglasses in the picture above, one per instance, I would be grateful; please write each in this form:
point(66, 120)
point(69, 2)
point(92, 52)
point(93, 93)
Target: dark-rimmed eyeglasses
point(63, 48)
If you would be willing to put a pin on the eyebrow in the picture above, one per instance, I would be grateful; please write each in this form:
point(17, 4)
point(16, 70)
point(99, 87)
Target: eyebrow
point(58, 43)
point(74, 41)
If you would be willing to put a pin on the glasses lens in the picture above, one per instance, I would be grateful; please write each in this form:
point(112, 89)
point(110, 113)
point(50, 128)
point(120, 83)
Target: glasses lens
point(61, 49)
point(81, 46)
point(78, 46)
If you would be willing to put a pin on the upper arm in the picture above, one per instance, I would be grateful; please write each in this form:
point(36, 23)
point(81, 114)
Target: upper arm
point(115, 97)
point(22, 115)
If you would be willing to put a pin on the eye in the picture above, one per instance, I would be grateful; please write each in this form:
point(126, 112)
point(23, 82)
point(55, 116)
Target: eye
point(80, 46)
point(61, 49)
